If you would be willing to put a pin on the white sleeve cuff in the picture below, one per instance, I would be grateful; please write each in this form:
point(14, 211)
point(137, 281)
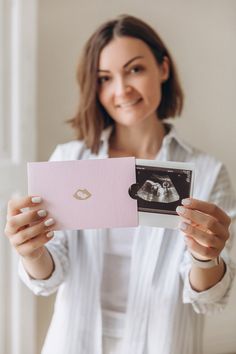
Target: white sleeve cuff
point(48, 286)
point(213, 299)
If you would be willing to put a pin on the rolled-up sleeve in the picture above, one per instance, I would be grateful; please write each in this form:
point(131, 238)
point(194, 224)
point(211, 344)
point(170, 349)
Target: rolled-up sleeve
point(58, 248)
point(215, 298)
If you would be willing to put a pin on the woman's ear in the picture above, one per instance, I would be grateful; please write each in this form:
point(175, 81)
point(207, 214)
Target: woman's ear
point(165, 69)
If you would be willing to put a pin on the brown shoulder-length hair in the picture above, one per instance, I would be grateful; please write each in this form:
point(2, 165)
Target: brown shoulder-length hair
point(91, 117)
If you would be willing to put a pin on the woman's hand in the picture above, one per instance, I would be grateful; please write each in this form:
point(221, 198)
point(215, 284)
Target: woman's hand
point(206, 228)
point(28, 230)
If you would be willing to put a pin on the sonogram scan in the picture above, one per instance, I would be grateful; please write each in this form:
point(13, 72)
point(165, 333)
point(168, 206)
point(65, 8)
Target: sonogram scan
point(160, 189)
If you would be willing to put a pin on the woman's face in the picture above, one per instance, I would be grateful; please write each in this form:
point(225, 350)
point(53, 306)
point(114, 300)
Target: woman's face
point(129, 80)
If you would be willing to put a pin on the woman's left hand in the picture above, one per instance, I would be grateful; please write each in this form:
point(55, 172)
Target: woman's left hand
point(206, 228)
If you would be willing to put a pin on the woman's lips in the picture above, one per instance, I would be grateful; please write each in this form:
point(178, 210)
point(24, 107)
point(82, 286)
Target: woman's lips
point(129, 103)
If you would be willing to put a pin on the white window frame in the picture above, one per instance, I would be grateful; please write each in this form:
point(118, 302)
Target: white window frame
point(18, 53)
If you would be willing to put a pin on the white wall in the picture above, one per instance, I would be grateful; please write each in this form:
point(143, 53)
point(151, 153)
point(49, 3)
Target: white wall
point(201, 37)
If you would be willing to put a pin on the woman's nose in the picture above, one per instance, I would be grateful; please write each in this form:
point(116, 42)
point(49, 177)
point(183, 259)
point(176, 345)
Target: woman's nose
point(122, 87)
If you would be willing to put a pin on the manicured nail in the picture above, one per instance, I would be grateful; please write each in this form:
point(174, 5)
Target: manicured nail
point(50, 234)
point(186, 201)
point(36, 199)
point(42, 213)
point(183, 226)
point(180, 210)
point(49, 222)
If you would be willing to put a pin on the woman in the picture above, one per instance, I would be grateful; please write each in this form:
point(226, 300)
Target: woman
point(134, 290)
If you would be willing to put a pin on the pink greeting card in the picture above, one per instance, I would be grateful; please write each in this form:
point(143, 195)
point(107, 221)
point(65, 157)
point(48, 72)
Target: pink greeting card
point(86, 194)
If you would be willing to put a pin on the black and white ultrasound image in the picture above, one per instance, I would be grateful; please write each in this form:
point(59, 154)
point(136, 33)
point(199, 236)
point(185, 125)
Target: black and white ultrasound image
point(160, 190)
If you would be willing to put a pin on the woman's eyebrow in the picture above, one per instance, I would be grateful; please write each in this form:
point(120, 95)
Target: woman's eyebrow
point(125, 65)
point(131, 60)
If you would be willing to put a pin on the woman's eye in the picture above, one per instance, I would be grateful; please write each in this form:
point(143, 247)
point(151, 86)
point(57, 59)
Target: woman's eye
point(136, 69)
point(103, 79)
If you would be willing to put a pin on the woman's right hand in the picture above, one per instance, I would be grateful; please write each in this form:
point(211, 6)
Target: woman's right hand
point(30, 229)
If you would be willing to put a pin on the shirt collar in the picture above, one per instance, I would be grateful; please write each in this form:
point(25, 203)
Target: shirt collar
point(171, 135)
point(174, 135)
point(106, 134)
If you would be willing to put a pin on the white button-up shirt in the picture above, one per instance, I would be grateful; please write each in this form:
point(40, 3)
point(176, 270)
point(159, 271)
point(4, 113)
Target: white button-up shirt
point(164, 314)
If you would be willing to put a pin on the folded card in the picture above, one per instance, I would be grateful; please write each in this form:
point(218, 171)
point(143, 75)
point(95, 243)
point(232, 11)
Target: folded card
point(86, 193)
point(114, 192)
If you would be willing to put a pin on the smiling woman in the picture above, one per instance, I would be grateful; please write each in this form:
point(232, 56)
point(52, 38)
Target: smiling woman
point(131, 89)
point(102, 73)
point(143, 290)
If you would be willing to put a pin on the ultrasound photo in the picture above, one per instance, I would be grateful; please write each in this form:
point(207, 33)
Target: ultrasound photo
point(159, 189)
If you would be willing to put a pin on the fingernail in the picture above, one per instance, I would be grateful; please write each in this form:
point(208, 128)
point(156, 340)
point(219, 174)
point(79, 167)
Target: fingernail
point(50, 234)
point(41, 213)
point(183, 226)
point(49, 222)
point(186, 201)
point(180, 210)
point(36, 199)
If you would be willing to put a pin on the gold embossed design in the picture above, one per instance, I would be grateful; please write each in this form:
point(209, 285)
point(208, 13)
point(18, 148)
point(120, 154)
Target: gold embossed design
point(82, 194)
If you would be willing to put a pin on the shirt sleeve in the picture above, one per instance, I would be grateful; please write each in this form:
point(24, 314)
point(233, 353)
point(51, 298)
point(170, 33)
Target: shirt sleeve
point(58, 248)
point(215, 298)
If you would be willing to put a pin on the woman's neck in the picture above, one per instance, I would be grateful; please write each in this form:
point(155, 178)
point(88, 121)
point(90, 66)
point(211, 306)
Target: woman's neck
point(142, 141)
